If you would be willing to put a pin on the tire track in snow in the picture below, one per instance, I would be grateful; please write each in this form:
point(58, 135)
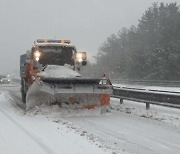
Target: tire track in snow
point(44, 147)
point(120, 138)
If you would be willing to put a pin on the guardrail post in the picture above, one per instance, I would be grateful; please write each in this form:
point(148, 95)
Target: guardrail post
point(147, 106)
point(121, 101)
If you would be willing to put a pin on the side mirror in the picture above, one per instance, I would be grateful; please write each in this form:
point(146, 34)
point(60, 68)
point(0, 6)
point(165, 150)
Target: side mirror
point(84, 63)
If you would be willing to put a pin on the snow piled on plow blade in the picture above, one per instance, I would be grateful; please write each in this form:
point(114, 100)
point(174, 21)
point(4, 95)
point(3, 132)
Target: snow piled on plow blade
point(55, 71)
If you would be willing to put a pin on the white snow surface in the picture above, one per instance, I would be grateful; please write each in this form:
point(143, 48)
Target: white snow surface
point(25, 133)
point(126, 128)
point(57, 71)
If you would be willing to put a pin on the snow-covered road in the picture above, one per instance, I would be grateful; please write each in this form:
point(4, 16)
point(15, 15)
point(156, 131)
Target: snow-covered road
point(21, 133)
point(128, 128)
point(132, 133)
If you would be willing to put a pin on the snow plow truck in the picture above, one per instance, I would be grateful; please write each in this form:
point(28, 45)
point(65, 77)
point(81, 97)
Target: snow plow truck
point(50, 75)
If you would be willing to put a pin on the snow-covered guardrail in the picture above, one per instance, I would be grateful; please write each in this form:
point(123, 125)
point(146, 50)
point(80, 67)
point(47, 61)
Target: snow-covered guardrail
point(147, 82)
point(158, 97)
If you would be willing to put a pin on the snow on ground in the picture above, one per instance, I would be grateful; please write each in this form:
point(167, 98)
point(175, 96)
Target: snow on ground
point(126, 128)
point(162, 114)
point(21, 133)
point(134, 131)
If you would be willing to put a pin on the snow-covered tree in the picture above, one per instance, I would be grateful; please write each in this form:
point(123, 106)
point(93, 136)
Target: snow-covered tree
point(149, 51)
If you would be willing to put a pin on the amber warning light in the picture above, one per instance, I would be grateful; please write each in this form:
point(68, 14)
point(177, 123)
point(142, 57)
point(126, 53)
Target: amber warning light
point(52, 41)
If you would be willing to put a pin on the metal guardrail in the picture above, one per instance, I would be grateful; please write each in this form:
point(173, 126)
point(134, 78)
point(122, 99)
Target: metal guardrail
point(158, 97)
point(16, 81)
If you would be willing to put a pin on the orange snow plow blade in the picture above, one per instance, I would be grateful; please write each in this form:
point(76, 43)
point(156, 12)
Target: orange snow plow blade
point(69, 93)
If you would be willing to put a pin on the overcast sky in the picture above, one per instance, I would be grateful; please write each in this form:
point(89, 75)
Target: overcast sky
point(87, 23)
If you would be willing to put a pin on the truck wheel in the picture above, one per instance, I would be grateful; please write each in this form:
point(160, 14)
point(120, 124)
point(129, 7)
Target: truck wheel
point(23, 97)
point(23, 89)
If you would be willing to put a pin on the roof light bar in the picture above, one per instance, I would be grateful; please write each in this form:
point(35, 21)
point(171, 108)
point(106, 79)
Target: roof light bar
point(53, 41)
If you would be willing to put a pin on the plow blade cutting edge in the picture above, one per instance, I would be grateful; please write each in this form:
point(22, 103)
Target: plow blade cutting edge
point(69, 93)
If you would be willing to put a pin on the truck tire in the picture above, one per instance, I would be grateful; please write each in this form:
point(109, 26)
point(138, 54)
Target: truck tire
point(23, 90)
point(23, 97)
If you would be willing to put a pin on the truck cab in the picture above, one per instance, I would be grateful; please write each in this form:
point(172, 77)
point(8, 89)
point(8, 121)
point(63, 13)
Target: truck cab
point(46, 52)
point(57, 52)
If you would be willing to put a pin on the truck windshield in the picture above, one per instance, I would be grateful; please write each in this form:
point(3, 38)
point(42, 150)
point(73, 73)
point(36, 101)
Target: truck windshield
point(56, 55)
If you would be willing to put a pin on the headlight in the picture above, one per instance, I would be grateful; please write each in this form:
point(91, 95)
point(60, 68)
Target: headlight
point(37, 55)
point(1, 80)
point(37, 58)
point(80, 56)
